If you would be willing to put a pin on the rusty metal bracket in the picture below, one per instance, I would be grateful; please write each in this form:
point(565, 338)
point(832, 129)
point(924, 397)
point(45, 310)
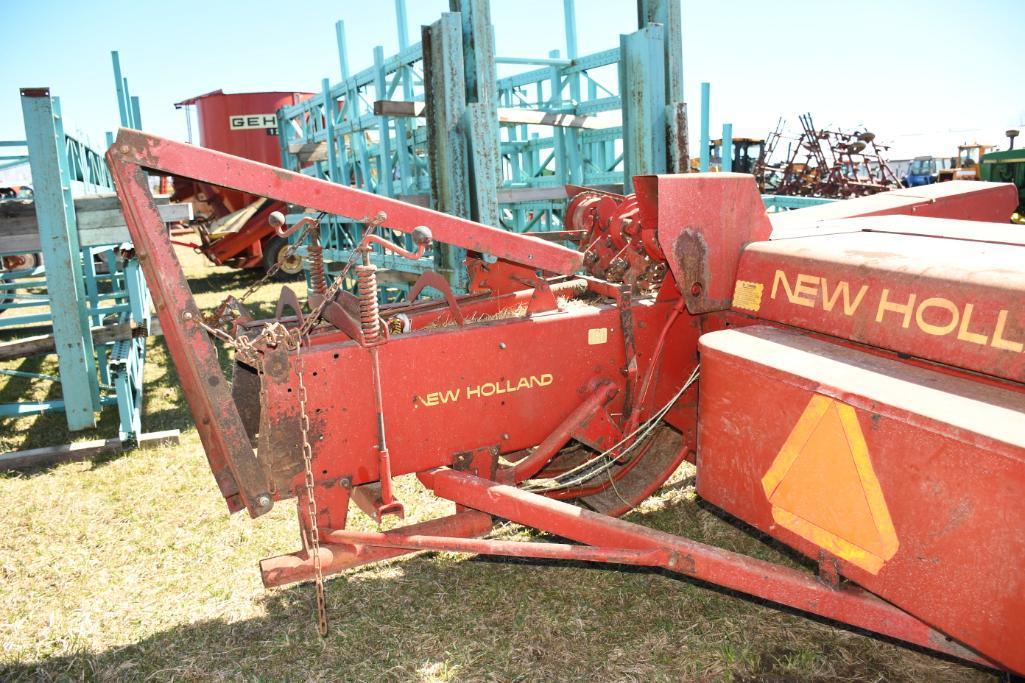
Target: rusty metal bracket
point(288, 299)
point(342, 312)
point(436, 281)
point(543, 299)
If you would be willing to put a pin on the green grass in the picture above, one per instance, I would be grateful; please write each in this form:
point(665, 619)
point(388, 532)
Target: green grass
point(131, 568)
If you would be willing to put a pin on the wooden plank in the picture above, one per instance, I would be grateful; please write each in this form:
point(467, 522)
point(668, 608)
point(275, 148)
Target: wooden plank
point(83, 450)
point(44, 343)
point(399, 108)
point(510, 116)
point(531, 194)
point(98, 217)
point(543, 118)
point(308, 151)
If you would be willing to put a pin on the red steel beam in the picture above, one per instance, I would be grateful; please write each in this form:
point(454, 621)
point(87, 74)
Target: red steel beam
point(239, 475)
point(758, 578)
point(209, 166)
point(339, 553)
point(655, 557)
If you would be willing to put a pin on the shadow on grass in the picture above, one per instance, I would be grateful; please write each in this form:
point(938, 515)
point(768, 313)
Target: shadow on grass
point(45, 429)
point(493, 618)
point(48, 429)
point(223, 280)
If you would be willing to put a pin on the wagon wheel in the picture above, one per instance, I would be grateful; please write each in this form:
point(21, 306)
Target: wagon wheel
point(276, 254)
point(620, 488)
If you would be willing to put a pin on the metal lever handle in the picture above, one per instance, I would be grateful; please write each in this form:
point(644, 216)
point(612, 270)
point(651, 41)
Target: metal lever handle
point(421, 238)
point(277, 221)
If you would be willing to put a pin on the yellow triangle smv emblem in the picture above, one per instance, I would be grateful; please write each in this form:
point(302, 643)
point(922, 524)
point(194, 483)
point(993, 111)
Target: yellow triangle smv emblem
point(822, 487)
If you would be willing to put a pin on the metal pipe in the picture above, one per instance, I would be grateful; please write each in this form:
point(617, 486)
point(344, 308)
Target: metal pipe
point(343, 57)
point(330, 111)
point(401, 24)
point(569, 18)
point(706, 89)
point(543, 61)
point(335, 557)
point(731, 570)
point(726, 155)
point(655, 557)
point(119, 84)
point(136, 112)
point(388, 245)
point(547, 449)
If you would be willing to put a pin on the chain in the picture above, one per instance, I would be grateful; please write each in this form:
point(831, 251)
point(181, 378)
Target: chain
point(216, 316)
point(276, 333)
point(314, 527)
point(245, 346)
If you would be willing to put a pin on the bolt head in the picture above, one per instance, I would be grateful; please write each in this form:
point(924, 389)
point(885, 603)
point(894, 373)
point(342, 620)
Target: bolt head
point(501, 345)
point(263, 500)
point(187, 315)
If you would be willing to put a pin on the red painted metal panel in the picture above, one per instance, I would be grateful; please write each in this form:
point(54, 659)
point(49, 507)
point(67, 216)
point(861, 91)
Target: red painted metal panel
point(948, 455)
point(960, 199)
point(950, 228)
point(703, 220)
point(510, 375)
point(225, 122)
point(956, 302)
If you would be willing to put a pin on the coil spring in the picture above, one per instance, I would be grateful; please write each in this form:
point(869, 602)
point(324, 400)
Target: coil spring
point(369, 313)
point(315, 253)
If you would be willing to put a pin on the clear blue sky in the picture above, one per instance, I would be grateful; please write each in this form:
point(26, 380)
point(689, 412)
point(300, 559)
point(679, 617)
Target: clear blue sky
point(922, 74)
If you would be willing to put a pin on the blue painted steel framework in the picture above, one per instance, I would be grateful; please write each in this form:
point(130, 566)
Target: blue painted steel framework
point(69, 292)
point(455, 152)
point(777, 202)
point(10, 160)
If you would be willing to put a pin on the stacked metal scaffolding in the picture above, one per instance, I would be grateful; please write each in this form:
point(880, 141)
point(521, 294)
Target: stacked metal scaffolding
point(434, 124)
point(71, 274)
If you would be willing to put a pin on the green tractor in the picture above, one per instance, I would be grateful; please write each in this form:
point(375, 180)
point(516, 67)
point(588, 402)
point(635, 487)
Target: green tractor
point(1007, 166)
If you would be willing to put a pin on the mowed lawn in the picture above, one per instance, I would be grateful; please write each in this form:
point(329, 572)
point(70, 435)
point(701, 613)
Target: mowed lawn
point(130, 568)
